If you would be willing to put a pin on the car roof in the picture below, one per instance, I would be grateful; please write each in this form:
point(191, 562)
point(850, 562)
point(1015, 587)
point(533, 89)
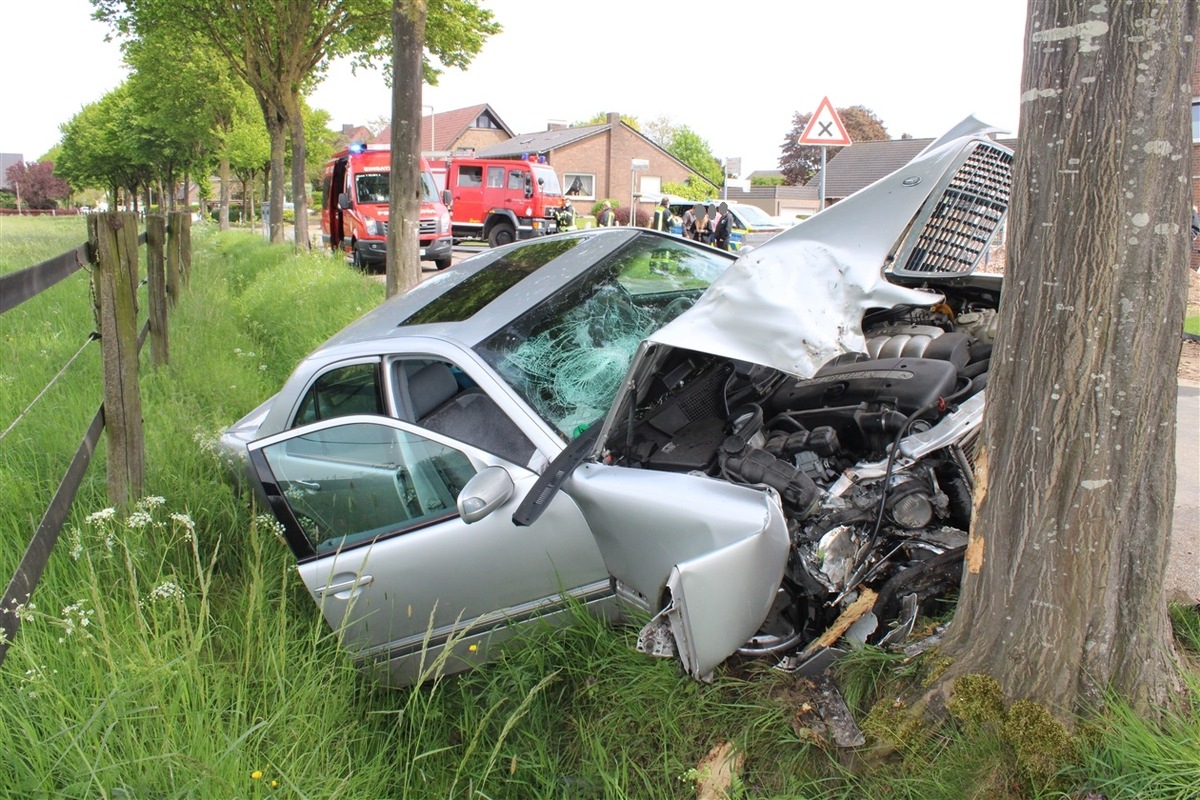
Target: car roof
point(389, 319)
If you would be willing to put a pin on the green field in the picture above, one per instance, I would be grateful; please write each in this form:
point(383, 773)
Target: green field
point(172, 652)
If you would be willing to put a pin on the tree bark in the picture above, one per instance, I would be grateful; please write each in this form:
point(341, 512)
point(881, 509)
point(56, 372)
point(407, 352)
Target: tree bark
point(1062, 597)
point(299, 174)
point(403, 245)
point(223, 213)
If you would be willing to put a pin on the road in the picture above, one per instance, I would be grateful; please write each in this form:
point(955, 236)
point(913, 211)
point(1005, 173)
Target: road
point(1183, 569)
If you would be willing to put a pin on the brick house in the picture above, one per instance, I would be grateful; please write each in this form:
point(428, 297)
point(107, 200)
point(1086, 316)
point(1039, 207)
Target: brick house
point(596, 162)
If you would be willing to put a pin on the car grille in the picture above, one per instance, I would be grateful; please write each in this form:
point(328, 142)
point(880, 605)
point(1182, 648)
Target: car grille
point(427, 227)
point(955, 230)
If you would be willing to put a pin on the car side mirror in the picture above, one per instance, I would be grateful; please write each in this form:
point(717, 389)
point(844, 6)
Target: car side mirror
point(484, 493)
point(447, 198)
point(343, 201)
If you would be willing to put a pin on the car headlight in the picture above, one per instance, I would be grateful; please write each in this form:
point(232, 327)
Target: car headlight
point(443, 222)
point(374, 227)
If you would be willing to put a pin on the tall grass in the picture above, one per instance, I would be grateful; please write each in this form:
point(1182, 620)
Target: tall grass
point(171, 650)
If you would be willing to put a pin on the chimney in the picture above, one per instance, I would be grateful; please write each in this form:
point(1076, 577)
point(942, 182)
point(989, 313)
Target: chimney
point(347, 129)
point(556, 125)
point(613, 118)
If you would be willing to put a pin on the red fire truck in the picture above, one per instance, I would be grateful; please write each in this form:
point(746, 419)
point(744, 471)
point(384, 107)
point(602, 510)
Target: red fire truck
point(500, 200)
point(354, 215)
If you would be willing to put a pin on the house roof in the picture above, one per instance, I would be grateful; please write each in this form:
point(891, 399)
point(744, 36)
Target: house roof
point(448, 126)
point(540, 142)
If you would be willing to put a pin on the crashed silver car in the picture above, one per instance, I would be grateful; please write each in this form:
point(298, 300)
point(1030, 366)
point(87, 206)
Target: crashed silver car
point(766, 455)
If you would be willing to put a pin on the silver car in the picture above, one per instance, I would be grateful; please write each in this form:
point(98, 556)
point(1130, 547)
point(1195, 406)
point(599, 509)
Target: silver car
point(763, 455)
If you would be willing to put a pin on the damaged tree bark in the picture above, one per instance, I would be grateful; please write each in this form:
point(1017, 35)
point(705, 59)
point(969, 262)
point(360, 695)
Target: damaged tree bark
point(1062, 595)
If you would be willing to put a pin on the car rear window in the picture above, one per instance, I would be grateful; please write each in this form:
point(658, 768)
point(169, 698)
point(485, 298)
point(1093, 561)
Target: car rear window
point(468, 297)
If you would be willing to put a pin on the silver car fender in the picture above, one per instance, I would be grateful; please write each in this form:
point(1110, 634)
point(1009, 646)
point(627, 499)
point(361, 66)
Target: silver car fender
point(710, 554)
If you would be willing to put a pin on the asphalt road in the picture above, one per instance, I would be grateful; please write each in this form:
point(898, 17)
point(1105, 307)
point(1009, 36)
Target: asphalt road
point(1183, 570)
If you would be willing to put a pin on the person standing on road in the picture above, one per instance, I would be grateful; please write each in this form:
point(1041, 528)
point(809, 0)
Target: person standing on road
point(722, 228)
point(661, 221)
point(608, 217)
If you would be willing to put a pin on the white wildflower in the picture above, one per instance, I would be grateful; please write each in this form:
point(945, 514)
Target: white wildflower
point(75, 618)
point(270, 524)
point(151, 502)
point(185, 522)
point(99, 517)
point(139, 519)
point(168, 590)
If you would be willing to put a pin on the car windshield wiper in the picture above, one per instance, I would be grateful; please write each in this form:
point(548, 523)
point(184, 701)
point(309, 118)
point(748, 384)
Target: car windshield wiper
point(551, 480)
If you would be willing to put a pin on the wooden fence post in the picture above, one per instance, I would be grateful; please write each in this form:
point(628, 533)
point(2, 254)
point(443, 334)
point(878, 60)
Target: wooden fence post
point(179, 252)
point(156, 237)
point(114, 238)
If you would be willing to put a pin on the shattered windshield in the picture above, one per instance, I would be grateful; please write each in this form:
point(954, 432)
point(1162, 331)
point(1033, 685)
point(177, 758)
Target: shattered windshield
point(567, 355)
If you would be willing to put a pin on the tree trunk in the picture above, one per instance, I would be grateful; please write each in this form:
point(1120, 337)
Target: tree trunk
point(403, 245)
point(299, 174)
point(1062, 596)
point(277, 128)
point(223, 213)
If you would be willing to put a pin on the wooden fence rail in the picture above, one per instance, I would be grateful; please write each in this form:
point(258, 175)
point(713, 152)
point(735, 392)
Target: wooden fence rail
point(112, 249)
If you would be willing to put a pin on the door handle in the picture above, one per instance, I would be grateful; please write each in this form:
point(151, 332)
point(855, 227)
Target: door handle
point(346, 586)
point(312, 486)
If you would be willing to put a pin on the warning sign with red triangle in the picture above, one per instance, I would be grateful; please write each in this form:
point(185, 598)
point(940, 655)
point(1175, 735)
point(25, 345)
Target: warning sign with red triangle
point(825, 128)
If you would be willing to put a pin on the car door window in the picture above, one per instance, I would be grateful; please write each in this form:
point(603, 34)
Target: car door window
point(495, 177)
point(516, 179)
point(349, 484)
point(442, 398)
point(341, 391)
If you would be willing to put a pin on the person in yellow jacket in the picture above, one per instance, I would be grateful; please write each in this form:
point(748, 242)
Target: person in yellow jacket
point(608, 217)
point(661, 220)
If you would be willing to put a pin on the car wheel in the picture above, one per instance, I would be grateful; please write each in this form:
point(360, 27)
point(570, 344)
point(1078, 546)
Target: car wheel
point(356, 258)
point(504, 233)
point(442, 263)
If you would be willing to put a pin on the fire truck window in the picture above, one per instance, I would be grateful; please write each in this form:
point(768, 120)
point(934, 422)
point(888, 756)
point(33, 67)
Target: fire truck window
point(470, 176)
point(495, 177)
point(516, 179)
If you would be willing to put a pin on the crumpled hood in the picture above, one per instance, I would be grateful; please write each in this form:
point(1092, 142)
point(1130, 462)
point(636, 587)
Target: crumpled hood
point(798, 300)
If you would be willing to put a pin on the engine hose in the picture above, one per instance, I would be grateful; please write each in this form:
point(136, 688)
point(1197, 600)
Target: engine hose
point(861, 572)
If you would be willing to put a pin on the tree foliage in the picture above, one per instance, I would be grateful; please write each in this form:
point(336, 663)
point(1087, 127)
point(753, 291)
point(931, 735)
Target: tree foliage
point(281, 47)
point(36, 184)
point(106, 145)
point(801, 162)
point(601, 118)
point(688, 146)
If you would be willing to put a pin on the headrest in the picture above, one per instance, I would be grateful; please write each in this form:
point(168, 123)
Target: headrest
point(431, 386)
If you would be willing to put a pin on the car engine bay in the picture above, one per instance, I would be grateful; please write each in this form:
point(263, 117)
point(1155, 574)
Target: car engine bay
point(871, 459)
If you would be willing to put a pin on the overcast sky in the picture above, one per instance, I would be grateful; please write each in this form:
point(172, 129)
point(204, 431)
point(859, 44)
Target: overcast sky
point(920, 65)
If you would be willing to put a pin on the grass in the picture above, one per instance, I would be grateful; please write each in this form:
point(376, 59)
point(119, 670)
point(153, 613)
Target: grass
point(171, 650)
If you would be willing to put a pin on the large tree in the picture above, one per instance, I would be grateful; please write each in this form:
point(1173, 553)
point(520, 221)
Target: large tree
point(281, 47)
point(1062, 597)
point(36, 185)
point(688, 146)
point(799, 162)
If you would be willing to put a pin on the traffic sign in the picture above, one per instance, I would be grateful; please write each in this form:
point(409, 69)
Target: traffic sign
point(825, 128)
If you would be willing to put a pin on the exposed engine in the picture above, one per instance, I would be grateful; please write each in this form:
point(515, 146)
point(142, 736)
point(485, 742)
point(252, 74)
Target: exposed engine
point(871, 458)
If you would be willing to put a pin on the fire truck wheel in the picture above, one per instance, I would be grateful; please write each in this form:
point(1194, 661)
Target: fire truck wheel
point(502, 233)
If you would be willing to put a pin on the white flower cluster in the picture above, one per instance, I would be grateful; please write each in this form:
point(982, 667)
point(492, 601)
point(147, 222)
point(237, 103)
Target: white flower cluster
point(75, 618)
point(184, 522)
point(168, 590)
point(270, 525)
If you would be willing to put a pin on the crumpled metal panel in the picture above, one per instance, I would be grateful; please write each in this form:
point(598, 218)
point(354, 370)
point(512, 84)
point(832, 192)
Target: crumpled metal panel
point(798, 300)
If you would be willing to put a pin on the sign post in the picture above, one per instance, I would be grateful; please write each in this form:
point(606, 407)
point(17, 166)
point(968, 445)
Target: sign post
point(825, 129)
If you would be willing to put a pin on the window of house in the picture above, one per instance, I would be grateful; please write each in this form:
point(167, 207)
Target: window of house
point(470, 176)
point(485, 121)
point(580, 186)
point(1196, 119)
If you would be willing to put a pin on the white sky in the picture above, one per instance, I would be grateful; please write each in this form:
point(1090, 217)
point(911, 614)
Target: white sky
point(920, 65)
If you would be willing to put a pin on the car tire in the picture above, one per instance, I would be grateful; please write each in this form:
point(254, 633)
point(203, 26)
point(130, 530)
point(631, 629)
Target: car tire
point(356, 259)
point(441, 263)
point(501, 234)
